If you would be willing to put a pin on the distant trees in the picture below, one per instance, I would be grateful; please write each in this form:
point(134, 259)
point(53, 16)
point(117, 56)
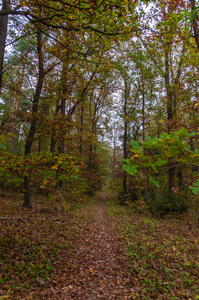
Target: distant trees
point(73, 71)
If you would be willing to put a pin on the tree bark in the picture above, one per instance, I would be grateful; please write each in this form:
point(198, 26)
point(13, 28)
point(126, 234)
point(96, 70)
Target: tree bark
point(90, 156)
point(53, 140)
point(171, 167)
point(64, 94)
point(3, 34)
point(125, 154)
point(81, 128)
point(195, 23)
point(29, 141)
point(15, 110)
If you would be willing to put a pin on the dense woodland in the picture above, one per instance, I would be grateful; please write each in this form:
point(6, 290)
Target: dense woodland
point(99, 100)
point(88, 87)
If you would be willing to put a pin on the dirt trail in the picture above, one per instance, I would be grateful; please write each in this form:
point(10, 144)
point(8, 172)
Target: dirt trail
point(99, 265)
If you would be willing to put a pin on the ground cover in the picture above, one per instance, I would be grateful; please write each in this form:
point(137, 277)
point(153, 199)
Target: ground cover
point(53, 252)
point(35, 245)
point(164, 254)
point(101, 251)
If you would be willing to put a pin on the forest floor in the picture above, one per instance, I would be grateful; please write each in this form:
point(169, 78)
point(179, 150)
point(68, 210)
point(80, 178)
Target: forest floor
point(102, 251)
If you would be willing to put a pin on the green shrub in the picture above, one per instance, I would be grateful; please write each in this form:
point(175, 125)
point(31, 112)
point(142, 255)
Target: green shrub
point(162, 204)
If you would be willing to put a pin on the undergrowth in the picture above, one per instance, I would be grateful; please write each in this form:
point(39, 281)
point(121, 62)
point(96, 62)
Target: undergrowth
point(35, 244)
point(164, 254)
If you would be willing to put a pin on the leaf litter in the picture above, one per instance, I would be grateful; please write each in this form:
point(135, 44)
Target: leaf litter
point(61, 255)
point(102, 251)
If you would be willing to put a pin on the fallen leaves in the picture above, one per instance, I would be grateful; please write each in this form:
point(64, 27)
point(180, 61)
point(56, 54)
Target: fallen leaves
point(164, 255)
point(81, 255)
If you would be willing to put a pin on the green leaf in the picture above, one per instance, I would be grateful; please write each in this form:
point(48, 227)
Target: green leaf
point(193, 133)
point(131, 169)
point(150, 165)
point(152, 180)
point(2, 146)
point(196, 151)
point(135, 145)
point(182, 131)
point(195, 188)
point(160, 162)
point(172, 151)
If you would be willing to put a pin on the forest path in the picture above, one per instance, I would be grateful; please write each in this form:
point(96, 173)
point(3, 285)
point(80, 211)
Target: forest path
point(99, 267)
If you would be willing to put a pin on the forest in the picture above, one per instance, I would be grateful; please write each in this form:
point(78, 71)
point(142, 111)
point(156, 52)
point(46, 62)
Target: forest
point(99, 149)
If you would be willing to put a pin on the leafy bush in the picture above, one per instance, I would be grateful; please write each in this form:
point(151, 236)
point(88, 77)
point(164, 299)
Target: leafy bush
point(140, 206)
point(174, 203)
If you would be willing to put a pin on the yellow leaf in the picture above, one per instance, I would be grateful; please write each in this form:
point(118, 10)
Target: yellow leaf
point(91, 270)
point(54, 167)
point(134, 156)
point(45, 181)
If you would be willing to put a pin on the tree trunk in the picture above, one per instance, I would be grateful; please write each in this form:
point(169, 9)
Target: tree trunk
point(39, 145)
point(81, 129)
point(60, 151)
point(90, 156)
point(63, 115)
point(53, 141)
point(126, 93)
point(29, 141)
point(147, 190)
point(114, 147)
point(15, 110)
point(172, 174)
point(180, 177)
point(27, 195)
point(171, 166)
point(195, 23)
point(3, 34)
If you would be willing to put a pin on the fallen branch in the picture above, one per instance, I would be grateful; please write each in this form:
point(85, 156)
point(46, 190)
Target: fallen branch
point(57, 219)
point(23, 219)
point(19, 218)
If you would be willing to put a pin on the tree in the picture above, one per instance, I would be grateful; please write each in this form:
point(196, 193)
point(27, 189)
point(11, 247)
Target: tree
point(3, 34)
point(195, 22)
point(29, 141)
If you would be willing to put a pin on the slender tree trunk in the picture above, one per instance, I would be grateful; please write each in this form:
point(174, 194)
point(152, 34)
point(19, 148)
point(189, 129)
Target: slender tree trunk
point(81, 128)
point(90, 156)
point(143, 117)
point(63, 114)
point(39, 145)
point(144, 139)
point(29, 141)
point(125, 154)
point(114, 147)
point(3, 34)
point(171, 163)
point(53, 140)
point(61, 145)
point(15, 110)
point(195, 23)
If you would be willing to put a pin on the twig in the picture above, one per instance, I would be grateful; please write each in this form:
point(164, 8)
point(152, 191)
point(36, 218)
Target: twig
point(19, 218)
point(57, 219)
